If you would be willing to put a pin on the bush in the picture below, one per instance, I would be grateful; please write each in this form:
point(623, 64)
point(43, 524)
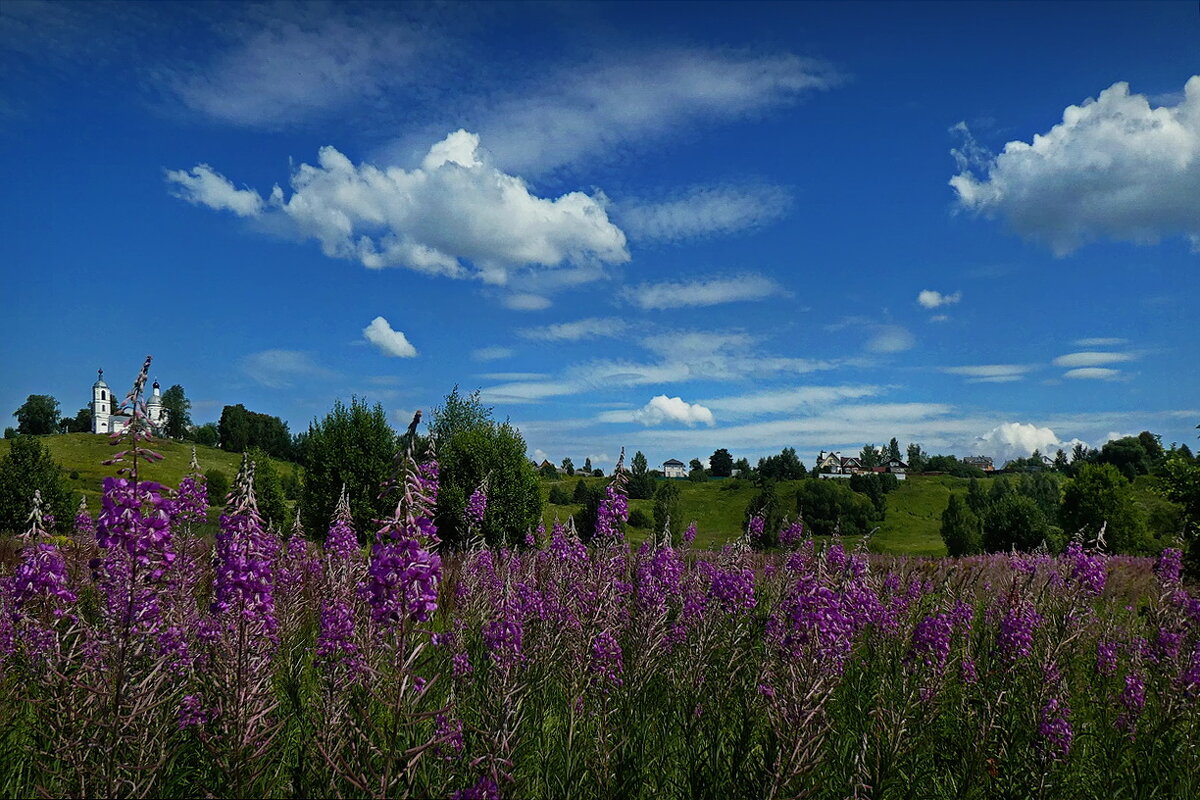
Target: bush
point(1015, 521)
point(581, 492)
point(28, 467)
point(218, 486)
point(559, 496)
point(767, 505)
point(961, 529)
point(825, 503)
point(1101, 496)
point(666, 506)
point(639, 519)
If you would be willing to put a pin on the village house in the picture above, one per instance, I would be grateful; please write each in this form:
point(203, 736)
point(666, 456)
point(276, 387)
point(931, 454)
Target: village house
point(674, 468)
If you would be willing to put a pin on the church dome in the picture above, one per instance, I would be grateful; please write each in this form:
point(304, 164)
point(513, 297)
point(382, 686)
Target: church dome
point(100, 384)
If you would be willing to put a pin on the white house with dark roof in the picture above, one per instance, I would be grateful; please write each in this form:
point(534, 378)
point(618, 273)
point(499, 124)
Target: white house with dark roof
point(674, 468)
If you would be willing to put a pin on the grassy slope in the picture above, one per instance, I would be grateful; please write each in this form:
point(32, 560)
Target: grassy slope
point(912, 524)
point(82, 453)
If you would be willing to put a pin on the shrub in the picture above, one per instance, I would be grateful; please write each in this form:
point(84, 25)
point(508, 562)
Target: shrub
point(640, 519)
point(559, 496)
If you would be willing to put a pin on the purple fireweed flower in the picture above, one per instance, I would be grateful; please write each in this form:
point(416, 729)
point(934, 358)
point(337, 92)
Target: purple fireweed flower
point(476, 508)
point(1015, 637)
point(1169, 566)
point(460, 665)
point(449, 735)
point(192, 498)
point(41, 573)
point(689, 534)
point(754, 529)
point(931, 641)
point(337, 654)
point(244, 560)
point(504, 638)
point(1088, 571)
point(1133, 701)
point(174, 647)
point(137, 520)
point(792, 534)
point(659, 579)
point(835, 558)
point(733, 589)
point(813, 617)
point(969, 674)
point(1055, 728)
point(613, 512)
point(605, 664)
point(1106, 658)
point(484, 789)
point(1167, 644)
point(84, 524)
point(402, 581)
point(963, 616)
point(192, 712)
point(341, 541)
point(1189, 680)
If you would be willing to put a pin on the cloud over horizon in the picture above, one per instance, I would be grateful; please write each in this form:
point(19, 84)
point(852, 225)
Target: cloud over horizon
point(389, 342)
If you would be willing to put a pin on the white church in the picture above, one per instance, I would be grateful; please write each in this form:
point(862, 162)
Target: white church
point(103, 418)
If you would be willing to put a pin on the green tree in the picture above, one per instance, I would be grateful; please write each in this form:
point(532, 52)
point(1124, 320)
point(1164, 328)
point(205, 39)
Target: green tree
point(769, 506)
point(80, 423)
point(720, 463)
point(581, 491)
point(568, 466)
point(916, 458)
point(587, 466)
point(218, 486)
point(1015, 521)
point(876, 487)
point(869, 457)
point(1180, 484)
point(26, 467)
point(559, 496)
point(234, 430)
point(641, 482)
point(471, 446)
point(1061, 464)
point(548, 471)
point(742, 467)
point(961, 529)
point(666, 505)
point(825, 503)
point(783, 467)
point(37, 416)
point(893, 449)
point(1128, 455)
point(352, 445)
point(268, 488)
point(1100, 496)
point(179, 412)
point(697, 475)
point(638, 518)
point(207, 434)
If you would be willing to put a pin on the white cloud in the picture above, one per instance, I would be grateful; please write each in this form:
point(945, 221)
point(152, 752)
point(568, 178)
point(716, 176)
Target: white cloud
point(454, 215)
point(205, 187)
point(1099, 342)
point(304, 65)
point(1092, 374)
point(523, 301)
point(390, 342)
point(631, 99)
point(890, 339)
point(1115, 167)
point(705, 292)
point(540, 455)
point(1018, 439)
point(703, 211)
point(785, 400)
point(1091, 359)
point(928, 298)
point(600, 458)
point(662, 409)
point(590, 328)
point(491, 353)
point(513, 376)
point(281, 369)
point(990, 373)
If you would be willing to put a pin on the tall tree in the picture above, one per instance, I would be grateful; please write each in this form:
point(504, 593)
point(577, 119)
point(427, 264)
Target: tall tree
point(720, 463)
point(37, 416)
point(352, 446)
point(26, 467)
point(829, 505)
point(869, 457)
point(641, 482)
point(268, 488)
point(893, 449)
point(471, 448)
point(179, 412)
point(666, 506)
point(587, 466)
point(1014, 521)
point(916, 458)
point(783, 467)
point(1128, 455)
point(568, 466)
point(1101, 496)
point(961, 530)
point(208, 435)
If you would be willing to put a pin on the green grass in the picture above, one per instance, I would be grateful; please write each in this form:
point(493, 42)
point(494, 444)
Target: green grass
point(911, 525)
point(80, 455)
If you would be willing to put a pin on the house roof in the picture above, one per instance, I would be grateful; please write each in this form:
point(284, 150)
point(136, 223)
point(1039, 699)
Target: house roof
point(673, 462)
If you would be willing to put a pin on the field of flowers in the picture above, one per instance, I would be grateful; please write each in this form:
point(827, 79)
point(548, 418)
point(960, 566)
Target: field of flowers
point(139, 659)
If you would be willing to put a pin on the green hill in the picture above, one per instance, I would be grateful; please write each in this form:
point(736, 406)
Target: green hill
point(80, 455)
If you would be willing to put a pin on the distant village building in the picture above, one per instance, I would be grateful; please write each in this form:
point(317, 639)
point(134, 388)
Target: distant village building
point(982, 462)
point(104, 420)
point(833, 464)
point(674, 468)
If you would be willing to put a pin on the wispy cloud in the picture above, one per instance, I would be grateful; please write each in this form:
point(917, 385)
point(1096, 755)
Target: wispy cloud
point(702, 211)
point(281, 369)
point(590, 328)
point(704, 292)
point(990, 373)
point(491, 353)
point(890, 339)
point(1092, 374)
point(777, 401)
point(1100, 342)
point(1091, 359)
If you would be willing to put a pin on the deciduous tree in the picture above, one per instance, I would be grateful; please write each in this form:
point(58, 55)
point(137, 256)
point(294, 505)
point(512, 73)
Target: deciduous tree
point(37, 416)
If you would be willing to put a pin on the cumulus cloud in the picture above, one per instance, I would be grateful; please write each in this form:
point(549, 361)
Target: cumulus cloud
point(281, 369)
point(390, 342)
point(1092, 374)
point(491, 353)
point(662, 409)
point(928, 298)
point(705, 292)
point(203, 186)
point(1018, 439)
point(454, 215)
point(1091, 358)
point(590, 328)
point(1115, 167)
point(890, 339)
point(990, 373)
point(703, 211)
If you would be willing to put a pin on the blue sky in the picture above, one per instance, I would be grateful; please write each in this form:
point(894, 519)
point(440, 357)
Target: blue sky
point(668, 227)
